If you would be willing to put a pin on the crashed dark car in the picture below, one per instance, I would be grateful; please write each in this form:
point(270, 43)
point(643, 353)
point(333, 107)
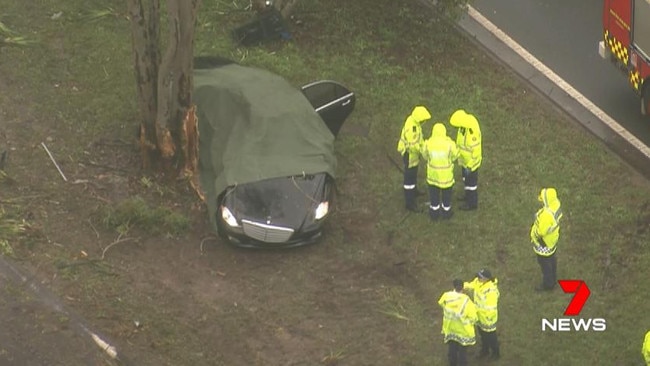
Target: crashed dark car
point(267, 162)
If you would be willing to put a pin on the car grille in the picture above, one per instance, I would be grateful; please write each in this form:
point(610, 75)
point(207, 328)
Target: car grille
point(266, 233)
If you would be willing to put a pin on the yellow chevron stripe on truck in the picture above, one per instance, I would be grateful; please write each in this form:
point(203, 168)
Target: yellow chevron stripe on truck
point(622, 54)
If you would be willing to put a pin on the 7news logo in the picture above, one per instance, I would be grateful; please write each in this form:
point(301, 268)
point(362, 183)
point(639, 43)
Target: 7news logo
point(581, 291)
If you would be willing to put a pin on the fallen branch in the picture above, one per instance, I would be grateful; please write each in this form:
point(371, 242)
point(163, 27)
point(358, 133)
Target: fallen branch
point(93, 227)
point(54, 161)
point(106, 347)
point(395, 314)
point(114, 243)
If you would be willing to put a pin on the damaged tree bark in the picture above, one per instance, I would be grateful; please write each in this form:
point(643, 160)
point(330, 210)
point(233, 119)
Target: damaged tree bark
point(145, 32)
point(168, 130)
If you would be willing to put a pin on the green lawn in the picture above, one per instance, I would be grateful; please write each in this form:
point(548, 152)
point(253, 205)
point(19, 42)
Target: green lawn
point(76, 80)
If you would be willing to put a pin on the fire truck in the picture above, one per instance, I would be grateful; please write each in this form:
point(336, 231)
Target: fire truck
point(626, 43)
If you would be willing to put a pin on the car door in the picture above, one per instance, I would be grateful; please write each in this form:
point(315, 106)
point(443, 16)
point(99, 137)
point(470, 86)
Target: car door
point(332, 101)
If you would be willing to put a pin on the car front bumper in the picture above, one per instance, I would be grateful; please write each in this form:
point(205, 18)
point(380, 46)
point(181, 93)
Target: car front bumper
point(298, 239)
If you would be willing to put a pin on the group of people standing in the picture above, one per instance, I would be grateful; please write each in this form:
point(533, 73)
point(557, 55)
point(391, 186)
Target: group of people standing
point(441, 153)
point(462, 314)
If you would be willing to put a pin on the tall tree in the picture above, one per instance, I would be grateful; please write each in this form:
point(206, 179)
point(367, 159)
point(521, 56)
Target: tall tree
point(168, 128)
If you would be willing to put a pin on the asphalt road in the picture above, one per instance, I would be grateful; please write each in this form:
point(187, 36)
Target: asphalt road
point(564, 35)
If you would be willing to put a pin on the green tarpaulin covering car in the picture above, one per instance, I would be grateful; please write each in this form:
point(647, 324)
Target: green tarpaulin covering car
point(266, 153)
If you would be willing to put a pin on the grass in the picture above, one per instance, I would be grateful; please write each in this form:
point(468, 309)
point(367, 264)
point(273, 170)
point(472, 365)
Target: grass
point(135, 212)
point(383, 309)
point(10, 230)
point(9, 37)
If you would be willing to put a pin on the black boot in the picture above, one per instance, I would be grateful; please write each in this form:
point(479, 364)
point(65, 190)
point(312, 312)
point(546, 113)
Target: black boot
point(494, 346)
point(471, 201)
point(411, 200)
point(434, 214)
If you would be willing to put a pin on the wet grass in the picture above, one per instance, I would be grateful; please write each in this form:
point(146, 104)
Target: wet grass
point(367, 294)
point(136, 213)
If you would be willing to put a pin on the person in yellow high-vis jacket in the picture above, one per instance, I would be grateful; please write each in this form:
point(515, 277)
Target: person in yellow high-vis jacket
point(459, 318)
point(645, 349)
point(544, 235)
point(409, 146)
point(485, 294)
point(468, 140)
point(440, 152)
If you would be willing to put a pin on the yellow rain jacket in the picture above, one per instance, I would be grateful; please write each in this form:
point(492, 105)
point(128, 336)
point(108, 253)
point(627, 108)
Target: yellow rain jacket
point(545, 231)
point(486, 298)
point(440, 152)
point(468, 139)
point(459, 318)
point(411, 138)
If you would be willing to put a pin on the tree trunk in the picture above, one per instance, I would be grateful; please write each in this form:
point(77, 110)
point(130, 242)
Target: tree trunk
point(175, 85)
point(145, 30)
point(168, 131)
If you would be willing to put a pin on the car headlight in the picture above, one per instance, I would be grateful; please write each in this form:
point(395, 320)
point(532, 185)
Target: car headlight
point(228, 217)
point(322, 210)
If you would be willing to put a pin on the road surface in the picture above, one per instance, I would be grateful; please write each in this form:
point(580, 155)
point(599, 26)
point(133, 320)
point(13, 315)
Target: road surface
point(564, 35)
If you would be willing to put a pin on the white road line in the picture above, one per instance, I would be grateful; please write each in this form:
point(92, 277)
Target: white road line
point(604, 117)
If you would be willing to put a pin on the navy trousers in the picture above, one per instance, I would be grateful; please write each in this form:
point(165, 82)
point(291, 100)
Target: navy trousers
point(549, 270)
point(470, 180)
point(489, 342)
point(410, 184)
point(457, 354)
point(436, 209)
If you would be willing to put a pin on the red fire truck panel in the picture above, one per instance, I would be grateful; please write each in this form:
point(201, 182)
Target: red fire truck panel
point(626, 42)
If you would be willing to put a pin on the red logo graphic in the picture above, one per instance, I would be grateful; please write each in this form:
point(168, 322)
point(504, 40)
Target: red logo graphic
point(579, 287)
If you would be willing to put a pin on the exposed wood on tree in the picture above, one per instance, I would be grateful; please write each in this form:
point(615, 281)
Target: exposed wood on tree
point(190, 144)
point(175, 80)
point(164, 84)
